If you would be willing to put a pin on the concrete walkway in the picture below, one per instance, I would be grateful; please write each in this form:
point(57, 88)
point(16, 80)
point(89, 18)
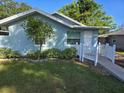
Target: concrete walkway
point(114, 69)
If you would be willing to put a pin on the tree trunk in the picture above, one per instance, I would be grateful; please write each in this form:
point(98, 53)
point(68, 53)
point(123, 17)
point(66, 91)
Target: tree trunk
point(39, 52)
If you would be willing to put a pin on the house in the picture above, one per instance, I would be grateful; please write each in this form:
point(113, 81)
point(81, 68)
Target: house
point(116, 37)
point(68, 32)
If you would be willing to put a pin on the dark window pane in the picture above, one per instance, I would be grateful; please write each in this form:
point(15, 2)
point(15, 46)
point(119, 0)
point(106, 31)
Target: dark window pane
point(73, 41)
point(73, 37)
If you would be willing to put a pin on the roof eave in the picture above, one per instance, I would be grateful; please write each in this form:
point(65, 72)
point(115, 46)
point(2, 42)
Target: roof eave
point(116, 34)
point(92, 27)
point(69, 18)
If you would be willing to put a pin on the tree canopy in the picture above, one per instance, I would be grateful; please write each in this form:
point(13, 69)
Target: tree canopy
point(38, 30)
point(88, 12)
point(10, 7)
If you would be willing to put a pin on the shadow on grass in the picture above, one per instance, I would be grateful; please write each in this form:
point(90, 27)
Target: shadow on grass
point(54, 77)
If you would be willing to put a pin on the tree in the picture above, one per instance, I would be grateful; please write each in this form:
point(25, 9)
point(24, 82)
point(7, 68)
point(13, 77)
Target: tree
point(88, 12)
point(10, 7)
point(38, 30)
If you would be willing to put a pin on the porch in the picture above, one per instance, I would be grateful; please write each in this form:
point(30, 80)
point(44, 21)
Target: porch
point(103, 55)
point(94, 52)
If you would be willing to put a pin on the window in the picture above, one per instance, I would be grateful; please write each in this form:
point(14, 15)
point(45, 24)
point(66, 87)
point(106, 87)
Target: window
point(73, 41)
point(4, 28)
point(73, 38)
point(37, 41)
point(114, 41)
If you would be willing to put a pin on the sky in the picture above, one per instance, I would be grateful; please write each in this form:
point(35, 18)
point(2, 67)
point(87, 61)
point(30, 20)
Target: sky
point(114, 8)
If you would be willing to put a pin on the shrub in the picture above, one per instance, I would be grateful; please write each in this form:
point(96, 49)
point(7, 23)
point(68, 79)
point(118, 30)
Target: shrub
point(51, 53)
point(33, 55)
point(9, 53)
point(13, 54)
point(69, 53)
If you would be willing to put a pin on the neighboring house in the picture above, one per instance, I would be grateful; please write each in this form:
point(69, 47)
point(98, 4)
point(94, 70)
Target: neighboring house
point(68, 32)
point(116, 38)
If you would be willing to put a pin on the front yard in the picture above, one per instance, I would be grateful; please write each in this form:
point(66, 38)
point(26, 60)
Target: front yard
point(55, 77)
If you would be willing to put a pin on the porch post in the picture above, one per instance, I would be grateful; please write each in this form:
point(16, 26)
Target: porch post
point(106, 50)
point(81, 57)
point(82, 53)
point(97, 54)
point(81, 47)
point(114, 53)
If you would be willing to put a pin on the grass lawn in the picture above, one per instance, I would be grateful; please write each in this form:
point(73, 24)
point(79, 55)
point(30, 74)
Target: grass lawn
point(55, 77)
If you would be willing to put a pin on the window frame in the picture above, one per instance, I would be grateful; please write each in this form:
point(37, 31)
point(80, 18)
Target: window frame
point(4, 28)
point(73, 38)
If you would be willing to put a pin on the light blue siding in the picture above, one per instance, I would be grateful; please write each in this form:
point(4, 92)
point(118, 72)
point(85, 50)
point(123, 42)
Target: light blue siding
point(95, 38)
point(17, 39)
point(82, 37)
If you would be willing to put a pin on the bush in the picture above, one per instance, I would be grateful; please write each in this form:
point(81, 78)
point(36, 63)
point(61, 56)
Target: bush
point(69, 53)
point(33, 55)
point(9, 53)
point(51, 53)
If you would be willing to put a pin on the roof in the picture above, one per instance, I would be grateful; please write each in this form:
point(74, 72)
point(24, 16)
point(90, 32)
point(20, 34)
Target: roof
point(58, 15)
point(103, 35)
point(118, 33)
point(15, 17)
point(26, 13)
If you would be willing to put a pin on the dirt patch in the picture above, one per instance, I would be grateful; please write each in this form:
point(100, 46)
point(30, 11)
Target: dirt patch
point(120, 63)
point(97, 69)
point(119, 60)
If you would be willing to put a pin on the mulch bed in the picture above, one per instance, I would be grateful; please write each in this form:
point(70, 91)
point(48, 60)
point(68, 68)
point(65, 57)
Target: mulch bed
point(120, 60)
point(120, 63)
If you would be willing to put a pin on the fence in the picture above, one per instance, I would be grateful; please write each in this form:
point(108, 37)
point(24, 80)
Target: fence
point(89, 52)
point(93, 52)
point(107, 51)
